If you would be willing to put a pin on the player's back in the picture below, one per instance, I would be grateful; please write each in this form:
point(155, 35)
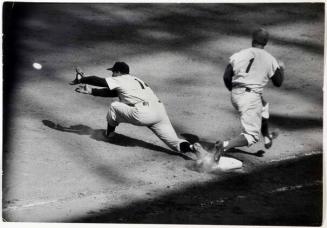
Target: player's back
point(132, 90)
point(252, 68)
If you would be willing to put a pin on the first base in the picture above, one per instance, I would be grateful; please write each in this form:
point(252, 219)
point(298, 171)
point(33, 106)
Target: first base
point(227, 163)
point(207, 164)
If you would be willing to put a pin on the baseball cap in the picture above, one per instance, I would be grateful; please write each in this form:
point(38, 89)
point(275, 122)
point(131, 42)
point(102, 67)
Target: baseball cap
point(121, 67)
point(260, 36)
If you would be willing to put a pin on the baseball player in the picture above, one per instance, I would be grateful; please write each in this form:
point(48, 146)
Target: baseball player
point(245, 76)
point(137, 105)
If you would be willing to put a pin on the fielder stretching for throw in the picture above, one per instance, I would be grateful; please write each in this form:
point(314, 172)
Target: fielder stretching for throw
point(247, 73)
point(137, 105)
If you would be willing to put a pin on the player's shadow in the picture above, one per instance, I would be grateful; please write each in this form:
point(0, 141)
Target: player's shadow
point(210, 146)
point(295, 122)
point(118, 139)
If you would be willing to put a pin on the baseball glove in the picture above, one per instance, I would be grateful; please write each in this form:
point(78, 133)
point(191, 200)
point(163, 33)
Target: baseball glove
point(78, 76)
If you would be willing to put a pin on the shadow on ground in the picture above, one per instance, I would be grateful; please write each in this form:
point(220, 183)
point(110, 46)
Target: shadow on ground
point(295, 122)
point(118, 139)
point(287, 193)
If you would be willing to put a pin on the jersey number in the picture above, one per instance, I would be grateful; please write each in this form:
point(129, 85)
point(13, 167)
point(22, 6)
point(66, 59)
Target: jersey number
point(142, 84)
point(249, 65)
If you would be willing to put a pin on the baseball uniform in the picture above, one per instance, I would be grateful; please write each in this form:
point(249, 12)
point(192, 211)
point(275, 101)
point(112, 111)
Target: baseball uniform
point(137, 105)
point(252, 69)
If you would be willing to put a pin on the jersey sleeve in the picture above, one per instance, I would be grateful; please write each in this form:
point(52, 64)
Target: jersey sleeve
point(112, 83)
point(232, 59)
point(273, 68)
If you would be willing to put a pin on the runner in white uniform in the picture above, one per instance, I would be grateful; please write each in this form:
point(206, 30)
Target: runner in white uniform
point(137, 105)
point(246, 75)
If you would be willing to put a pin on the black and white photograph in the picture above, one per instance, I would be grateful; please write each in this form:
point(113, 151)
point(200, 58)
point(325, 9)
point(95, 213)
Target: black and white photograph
point(171, 113)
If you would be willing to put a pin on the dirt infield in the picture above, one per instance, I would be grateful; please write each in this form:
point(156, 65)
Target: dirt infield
point(57, 167)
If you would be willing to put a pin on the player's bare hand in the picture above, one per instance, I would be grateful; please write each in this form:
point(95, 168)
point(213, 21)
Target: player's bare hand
point(281, 64)
point(83, 89)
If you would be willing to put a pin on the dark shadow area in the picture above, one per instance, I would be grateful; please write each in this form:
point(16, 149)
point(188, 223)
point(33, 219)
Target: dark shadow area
point(288, 193)
point(290, 122)
point(295, 122)
point(118, 139)
point(190, 137)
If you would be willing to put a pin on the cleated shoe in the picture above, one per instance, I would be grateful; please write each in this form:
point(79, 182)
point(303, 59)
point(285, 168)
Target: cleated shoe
point(199, 150)
point(268, 142)
point(269, 139)
point(109, 137)
point(219, 150)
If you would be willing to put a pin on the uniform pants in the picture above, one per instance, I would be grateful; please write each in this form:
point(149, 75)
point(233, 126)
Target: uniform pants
point(249, 106)
point(152, 115)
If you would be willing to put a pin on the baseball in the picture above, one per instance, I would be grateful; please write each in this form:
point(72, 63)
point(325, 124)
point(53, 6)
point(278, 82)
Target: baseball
point(37, 66)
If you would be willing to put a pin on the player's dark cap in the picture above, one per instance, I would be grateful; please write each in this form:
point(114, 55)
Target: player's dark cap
point(260, 36)
point(121, 67)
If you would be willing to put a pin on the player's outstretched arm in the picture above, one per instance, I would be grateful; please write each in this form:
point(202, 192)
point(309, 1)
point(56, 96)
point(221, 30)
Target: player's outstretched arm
point(80, 78)
point(94, 81)
point(105, 92)
point(85, 89)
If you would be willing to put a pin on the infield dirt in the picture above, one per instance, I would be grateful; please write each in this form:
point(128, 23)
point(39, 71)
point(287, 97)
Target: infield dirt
point(55, 175)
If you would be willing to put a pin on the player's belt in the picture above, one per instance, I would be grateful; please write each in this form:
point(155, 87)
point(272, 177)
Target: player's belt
point(144, 103)
point(246, 89)
point(249, 90)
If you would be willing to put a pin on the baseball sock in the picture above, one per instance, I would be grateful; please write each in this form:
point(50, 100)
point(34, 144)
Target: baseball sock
point(265, 131)
point(225, 144)
point(265, 127)
point(110, 129)
point(267, 139)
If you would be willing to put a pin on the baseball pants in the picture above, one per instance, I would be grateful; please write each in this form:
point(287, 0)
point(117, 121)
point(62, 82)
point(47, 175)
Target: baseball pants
point(152, 115)
point(249, 106)
point(265, 110)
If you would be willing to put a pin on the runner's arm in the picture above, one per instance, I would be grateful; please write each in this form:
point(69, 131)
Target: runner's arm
point(228, 75)
point(278, 77)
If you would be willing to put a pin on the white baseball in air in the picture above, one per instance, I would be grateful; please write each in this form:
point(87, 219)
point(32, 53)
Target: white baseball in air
point(37, 66)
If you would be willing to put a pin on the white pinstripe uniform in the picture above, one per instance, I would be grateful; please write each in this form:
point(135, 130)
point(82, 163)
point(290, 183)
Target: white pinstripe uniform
point(138, 105)
point(253, 67)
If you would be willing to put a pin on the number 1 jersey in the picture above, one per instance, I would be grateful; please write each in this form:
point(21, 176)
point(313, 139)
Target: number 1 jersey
point(131, 90)
point(252, 68)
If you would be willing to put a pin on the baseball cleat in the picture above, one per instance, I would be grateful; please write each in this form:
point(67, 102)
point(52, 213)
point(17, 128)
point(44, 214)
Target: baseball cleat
point(219, 150)
point(109, 137)
point(269, 140)
point(109, 134)
point(199, 150)
point(79, 75)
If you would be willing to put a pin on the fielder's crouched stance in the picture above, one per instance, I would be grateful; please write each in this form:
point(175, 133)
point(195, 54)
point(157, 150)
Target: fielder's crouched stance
point(247, 73)
point(137, 105)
